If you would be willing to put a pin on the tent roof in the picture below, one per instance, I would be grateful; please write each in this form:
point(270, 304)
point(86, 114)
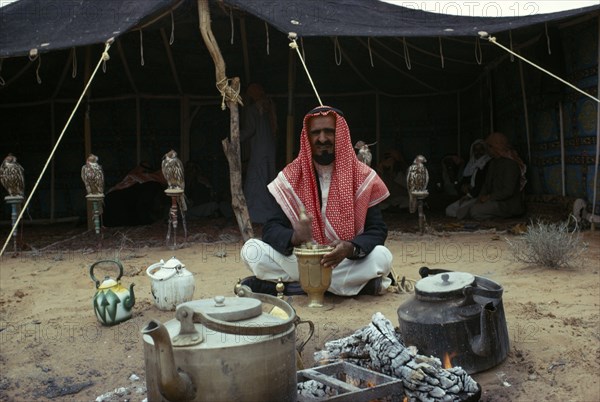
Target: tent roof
point(377, 18)
point(45, 26)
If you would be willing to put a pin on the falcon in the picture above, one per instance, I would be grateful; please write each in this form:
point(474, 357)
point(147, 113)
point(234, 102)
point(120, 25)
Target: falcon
point(12, 176)
point(92, 175)
point(417, 179)
point(364, 153)
point(172, 169)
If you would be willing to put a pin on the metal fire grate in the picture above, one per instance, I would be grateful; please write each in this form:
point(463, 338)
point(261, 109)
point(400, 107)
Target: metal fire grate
point(350, 382)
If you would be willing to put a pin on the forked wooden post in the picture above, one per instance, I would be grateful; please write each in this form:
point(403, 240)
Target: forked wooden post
point(231, 145)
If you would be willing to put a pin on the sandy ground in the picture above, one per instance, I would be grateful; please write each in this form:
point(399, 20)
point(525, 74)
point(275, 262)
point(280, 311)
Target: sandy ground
point(53, 348)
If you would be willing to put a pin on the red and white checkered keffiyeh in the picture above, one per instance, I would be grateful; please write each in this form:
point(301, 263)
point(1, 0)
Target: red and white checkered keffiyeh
point(355, 187)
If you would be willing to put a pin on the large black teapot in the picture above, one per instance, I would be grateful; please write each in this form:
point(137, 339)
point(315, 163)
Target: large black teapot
point(457, 317)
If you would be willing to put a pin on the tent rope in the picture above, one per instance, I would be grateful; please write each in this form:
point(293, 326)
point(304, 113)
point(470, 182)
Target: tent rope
point(2, 82)
point(478, 55)
point(370, 51)
point(231, 23)
point(337, 52)
point(141, 48)
point(104, 56)
point(268, 40)
point(441, 51)
point(74, 65)
point(406, 54)
point(172, 38)
point(37, 70)
point(512, 57)
point(492, 39)
point(547, 38)
point(292, 36)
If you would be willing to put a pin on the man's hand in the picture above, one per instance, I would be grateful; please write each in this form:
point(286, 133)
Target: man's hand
point(302, 231)
point(341, 249)
point(484, 198)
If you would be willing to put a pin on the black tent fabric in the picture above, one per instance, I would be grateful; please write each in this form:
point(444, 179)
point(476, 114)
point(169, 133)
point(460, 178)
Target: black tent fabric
point(45, 26)
point(377, 18)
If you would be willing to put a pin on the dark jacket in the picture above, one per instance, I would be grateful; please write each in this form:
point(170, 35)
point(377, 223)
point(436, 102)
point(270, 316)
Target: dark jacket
point(278, 230)
point(502, 183)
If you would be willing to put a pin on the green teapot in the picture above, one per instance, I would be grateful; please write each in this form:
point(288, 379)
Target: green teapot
point(112, 302)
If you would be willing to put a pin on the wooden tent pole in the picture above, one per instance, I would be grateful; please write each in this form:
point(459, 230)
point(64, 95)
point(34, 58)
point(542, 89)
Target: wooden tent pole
point(87, 131)
point(289, 139)
point(231, 145)
point(525, 112)
point(458, 129)
point(561, 131)
point(595, 186)
point(245, 49)
point(378, 125)
point(52, 166)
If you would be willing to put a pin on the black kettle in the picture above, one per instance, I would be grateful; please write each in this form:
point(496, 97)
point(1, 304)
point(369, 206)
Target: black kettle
point(457, 317)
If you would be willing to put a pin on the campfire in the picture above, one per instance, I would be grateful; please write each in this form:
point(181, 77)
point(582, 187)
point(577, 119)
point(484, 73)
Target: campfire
point(378, 347)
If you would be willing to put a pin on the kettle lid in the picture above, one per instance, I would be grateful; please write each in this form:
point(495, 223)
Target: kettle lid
point(108, 283)
point(227, 308)
point(444, 284)
point(173, 263)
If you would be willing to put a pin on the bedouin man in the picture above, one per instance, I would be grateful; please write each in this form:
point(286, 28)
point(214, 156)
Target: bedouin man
point(340, 196)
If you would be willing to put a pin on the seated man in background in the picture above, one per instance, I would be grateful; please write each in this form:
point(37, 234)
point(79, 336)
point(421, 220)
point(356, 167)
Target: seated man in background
point(502, 193)
point(340, 196)
point(472, 180)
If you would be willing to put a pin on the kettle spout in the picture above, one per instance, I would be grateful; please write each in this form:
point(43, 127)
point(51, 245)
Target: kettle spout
point(129, 300)
point(173, 385)
point(483, 344)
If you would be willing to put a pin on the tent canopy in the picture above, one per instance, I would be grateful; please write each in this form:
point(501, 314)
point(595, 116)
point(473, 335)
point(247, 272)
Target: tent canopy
point(45, 26)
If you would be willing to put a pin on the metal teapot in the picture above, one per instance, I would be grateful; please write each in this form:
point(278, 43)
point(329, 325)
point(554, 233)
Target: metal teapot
point(112, 302)
point(224, 349)
point(456, 316)
point(172, 283)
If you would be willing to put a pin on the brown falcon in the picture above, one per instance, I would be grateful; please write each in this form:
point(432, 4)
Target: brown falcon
point(92, 175)
point(12, 177)
point(364, 153)
point(416, 181)
point(172, 169)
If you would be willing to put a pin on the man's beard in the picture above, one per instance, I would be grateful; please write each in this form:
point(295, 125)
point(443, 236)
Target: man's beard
point(326, 158)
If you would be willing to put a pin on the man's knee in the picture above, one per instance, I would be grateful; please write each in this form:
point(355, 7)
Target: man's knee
point(251, 251)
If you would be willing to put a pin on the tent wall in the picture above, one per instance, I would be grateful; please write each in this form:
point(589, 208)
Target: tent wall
point(386, 95)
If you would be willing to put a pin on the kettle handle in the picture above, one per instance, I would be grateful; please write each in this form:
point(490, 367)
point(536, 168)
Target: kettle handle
point(150, 271)
point(117, 263)
point(426, 271)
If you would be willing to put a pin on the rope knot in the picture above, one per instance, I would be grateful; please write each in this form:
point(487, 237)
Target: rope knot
point(228, 94)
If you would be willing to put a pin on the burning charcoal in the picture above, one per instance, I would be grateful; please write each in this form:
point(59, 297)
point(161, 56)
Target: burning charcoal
point(378, 347)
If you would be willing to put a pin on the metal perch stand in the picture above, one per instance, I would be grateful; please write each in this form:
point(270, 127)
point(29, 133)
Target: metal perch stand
point(175, 194)
point(96, 200)
point(420, 196)
point(16, 203)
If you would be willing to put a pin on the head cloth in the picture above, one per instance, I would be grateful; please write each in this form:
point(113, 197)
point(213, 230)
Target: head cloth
point(355, 187)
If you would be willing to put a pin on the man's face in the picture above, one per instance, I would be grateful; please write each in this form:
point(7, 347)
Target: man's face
point(478, 150)
point(321, 135)
point(492, 150)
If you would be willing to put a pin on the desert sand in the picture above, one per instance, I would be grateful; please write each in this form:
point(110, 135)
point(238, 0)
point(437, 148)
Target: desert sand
point(52, 347)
